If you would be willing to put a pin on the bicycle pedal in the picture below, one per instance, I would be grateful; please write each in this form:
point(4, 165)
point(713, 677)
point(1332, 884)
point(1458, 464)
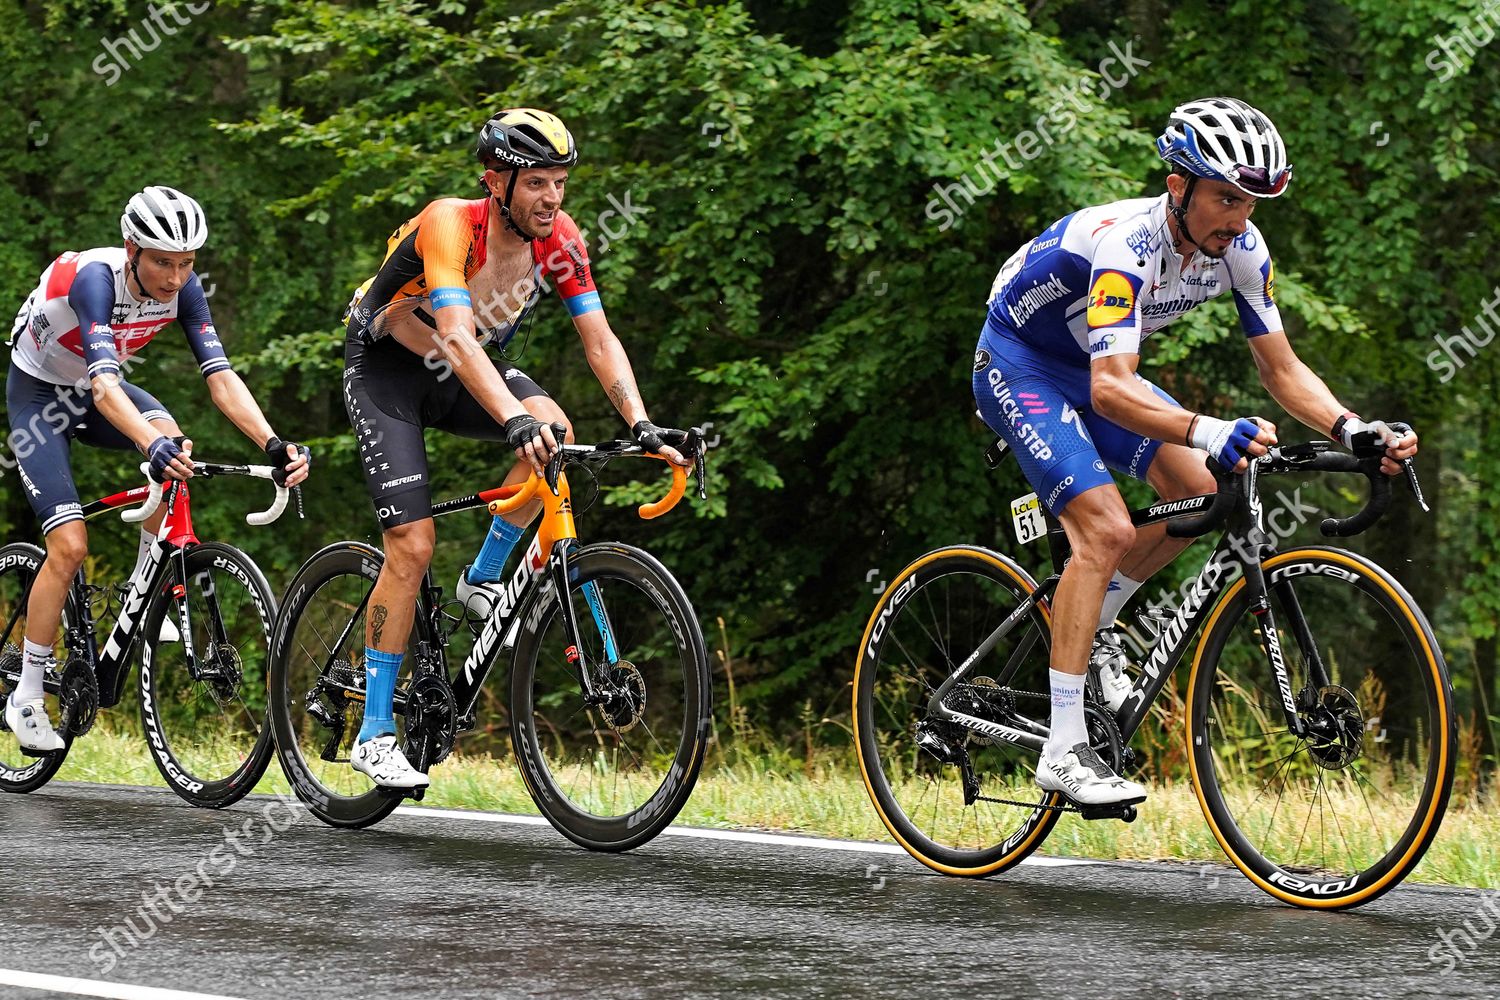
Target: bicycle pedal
point(1115, 810)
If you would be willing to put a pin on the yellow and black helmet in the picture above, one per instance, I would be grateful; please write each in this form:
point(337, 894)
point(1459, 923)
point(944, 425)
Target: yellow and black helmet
point(525, 137)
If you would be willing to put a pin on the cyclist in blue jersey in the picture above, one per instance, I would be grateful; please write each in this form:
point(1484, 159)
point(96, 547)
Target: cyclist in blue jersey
point(1055, 376)
point(78, 329)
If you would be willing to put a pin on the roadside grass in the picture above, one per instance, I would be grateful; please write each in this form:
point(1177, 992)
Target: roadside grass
point(825, 796)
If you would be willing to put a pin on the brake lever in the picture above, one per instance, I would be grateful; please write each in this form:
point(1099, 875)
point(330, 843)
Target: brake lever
point(553, 472)
point(1409, 466)
point(695, 447)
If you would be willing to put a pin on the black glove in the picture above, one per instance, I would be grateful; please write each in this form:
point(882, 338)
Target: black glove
point(276, 451)
point(521, 431)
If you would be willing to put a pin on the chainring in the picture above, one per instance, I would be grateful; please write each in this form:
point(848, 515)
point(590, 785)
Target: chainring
point(431, 720)
point(78, 693)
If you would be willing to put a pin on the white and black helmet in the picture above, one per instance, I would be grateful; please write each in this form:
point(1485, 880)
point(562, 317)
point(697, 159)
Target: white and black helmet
point(163, 218)
point(1227, 140)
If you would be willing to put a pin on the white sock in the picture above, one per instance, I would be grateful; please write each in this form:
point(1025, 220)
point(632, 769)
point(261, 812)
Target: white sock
point(1067, 714)
point(33, 666)
point(1121, 589)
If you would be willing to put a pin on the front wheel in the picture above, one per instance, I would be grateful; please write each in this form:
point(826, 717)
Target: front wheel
point(203, 704)
point(317, 685)
point(611, 776)
point(1337, 816)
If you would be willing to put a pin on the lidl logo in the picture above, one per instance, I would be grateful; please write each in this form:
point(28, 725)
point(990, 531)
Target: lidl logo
point(1112, 299)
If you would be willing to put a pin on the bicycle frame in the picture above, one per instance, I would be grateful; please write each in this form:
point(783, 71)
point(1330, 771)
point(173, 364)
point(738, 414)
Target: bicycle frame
point(545, 563)
point(174, 537)
point(1243, 546)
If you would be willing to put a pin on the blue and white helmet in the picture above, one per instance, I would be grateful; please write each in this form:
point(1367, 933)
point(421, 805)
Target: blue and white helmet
point(1227, 140)
point(163, 218)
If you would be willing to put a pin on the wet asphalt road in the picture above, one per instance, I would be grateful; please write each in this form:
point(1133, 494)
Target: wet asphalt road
point(424, 906)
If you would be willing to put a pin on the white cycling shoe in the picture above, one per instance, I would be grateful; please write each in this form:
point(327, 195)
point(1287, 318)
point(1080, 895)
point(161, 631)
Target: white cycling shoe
point(479, 599)
point(1085, 779)
point(382, 761)
point(28, 720)
point(1108, 662)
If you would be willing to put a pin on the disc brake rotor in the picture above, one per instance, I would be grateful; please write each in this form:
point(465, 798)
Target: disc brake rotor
point(627, 696)
point(1336, 728)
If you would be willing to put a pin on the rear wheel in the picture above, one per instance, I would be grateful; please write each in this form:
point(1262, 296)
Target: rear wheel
point(208, 734)
point(611, 776)
point(19, 563)
point(931, 619)
point(317, 685)
point(1339, 815)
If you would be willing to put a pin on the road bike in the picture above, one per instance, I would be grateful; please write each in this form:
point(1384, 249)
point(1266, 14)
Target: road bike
point(1320, 728)
point(609, 688)
point(202, 705)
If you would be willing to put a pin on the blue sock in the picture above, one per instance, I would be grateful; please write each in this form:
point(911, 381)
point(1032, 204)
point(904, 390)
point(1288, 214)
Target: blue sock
point(498, 543)
point(380, 694)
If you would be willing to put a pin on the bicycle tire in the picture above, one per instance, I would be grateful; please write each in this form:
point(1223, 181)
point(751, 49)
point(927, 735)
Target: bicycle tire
point(884, 672)
point(336, 794)
point(1339, 591)
point(642, 787)
point(187, 750)
point(19, 562)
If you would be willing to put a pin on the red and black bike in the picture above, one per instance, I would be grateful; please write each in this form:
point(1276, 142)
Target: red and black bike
point(202, 680)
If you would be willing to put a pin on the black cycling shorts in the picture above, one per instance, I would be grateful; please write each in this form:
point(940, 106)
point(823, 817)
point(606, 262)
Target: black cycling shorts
point(44, 420)
point(391, 395)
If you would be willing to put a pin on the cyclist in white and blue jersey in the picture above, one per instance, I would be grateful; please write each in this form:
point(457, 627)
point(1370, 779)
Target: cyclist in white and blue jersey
point(1055, 376)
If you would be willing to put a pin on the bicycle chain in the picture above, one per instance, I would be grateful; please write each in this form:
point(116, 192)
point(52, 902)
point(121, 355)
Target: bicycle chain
point(1098, 716)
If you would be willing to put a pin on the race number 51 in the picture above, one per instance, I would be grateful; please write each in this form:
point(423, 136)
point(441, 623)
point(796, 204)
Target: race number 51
point(1026, 513)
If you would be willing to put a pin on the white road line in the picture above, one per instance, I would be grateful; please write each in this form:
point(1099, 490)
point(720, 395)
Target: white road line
point(98, 988)
point(740, 836)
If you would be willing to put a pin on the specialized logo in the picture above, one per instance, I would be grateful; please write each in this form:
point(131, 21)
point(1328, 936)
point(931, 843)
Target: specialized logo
point(1112, 299)
point(981, 360)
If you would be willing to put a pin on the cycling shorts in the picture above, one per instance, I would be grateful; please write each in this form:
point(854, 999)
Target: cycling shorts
point(44, 420)
point(1041, 407)
point(391, 395)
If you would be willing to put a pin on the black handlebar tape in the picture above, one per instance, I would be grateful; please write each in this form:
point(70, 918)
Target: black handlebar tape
point(1218, 510)
point(1373, 510)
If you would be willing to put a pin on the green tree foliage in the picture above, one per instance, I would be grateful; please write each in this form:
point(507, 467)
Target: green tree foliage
point(762, 188)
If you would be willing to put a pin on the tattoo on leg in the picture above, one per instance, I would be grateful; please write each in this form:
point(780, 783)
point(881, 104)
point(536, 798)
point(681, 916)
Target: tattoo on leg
point(620, 392)
point(377, 620)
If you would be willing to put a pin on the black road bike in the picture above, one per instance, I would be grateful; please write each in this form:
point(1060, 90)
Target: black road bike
point(609, 684)
point(1320, 725)
point(202, 701)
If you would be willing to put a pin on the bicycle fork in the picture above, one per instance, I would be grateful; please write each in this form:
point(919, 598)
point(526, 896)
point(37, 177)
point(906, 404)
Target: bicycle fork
point(1293, 703)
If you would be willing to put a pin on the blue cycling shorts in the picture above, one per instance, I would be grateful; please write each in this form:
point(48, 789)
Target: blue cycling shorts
point(44, 420)
point(1041, 407)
